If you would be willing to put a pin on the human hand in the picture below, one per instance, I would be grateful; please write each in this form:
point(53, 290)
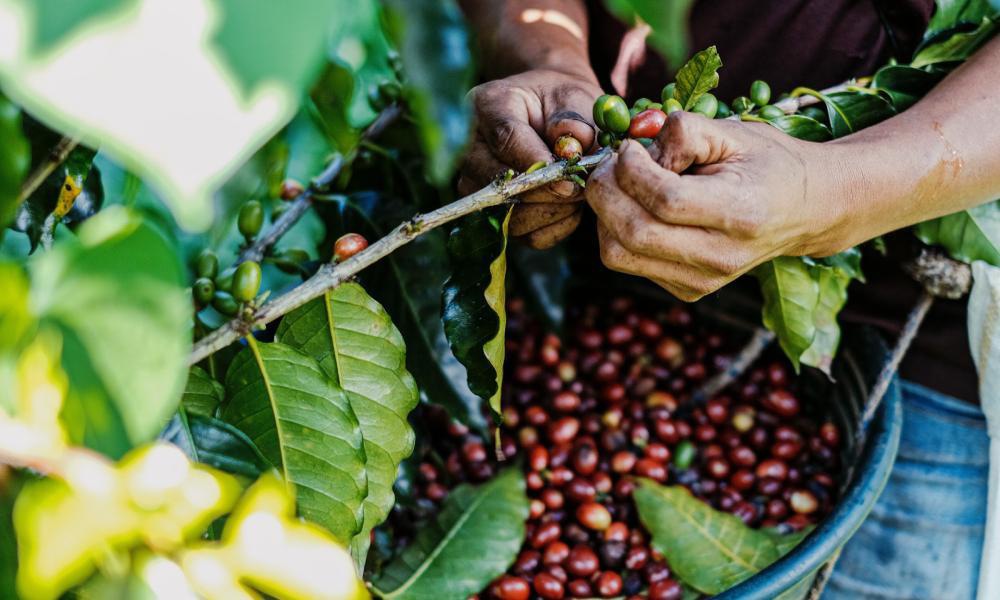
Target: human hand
point(712, 199)
point(518, 119)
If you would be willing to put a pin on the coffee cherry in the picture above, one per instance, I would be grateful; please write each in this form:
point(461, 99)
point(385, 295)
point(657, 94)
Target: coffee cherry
point(581, 490)
point(536, 508)
point(770, 112)
point(742, 480)
point(657, 452)
point(585, 459)
point(207, 264)
point(613, 554)
point(742, 105)
point(348, 245)
point(786, 450)
point(527, 562)
point(203, 290)
point(614, 114)
point(246, 281)
point(636, 558)
point(566, 402)
point(605, 139)
point(291, 189)
point(593, 515)
point(609, 584)
point(512, 588)
point(582, 561)
point(777, 509)
point(652, 469)
point(579, 588)
point(830, 434)
point(668, 589)
point(717, 411)
point(803, 502)
point(647, 124)
point(616, 532)
point(782, 402)
point(655, 572)
point(473, 451)
point(707, 105)
point(724, 111)
point(684, 454)
point(545, 534)
point(672, 105)
point(760, 92)
point(772, 469)
point(668, 92)
point(250, 219)
point(548, 587)
point(742, 456)
point(538, 458)
point(745, 512)
point(568, 147)
point(555, 553)
point(717, 468)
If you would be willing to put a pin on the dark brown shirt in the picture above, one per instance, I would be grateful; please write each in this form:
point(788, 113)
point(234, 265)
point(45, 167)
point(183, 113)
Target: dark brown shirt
point(819, 43)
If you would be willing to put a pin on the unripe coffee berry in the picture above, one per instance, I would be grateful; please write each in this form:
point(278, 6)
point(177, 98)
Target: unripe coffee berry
point(207, 264)
point(760, 92)
point(250, 219)
point(246, 281)
point(203, 290)
point(348, 245)
point(568, 147)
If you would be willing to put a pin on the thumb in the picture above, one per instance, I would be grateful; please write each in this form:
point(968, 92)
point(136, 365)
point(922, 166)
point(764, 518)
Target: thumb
point(689, 139)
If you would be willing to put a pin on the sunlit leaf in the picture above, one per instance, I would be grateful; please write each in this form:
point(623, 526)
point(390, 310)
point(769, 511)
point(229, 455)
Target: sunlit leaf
point(473, 304)
point(473, 539)
point(802, 127)
point(353, 339)
point(852, 111)
point(15, 155)
point(109, 293)
point(215, 443)
point(905, 85)
point(303, 424)
point(958, 46)
point(699, 75)
point(832, 284)
point(709, 550)
point(950, 15)
point(968, 236)
point(232, 78)
point(434, 45)
point(264, 547)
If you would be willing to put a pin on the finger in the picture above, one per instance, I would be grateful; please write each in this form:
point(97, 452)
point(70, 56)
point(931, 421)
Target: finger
point(700, 200)
point(568, 122)
point(691, 139)
point(549, 236)
point(560, 192)
point(529, 217)
point(510, 136)
point(683, 281)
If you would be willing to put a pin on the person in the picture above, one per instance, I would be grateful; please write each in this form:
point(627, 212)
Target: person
point(712, 199)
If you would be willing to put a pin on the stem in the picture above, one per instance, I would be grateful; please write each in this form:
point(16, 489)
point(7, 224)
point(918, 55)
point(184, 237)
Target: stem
point(761, 339)
point(330, 276)
point(49, 231)
point(59, 153)
point(319, 184)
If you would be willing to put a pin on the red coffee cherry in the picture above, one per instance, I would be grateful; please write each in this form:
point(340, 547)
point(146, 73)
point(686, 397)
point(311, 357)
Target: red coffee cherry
point(555, 553)
point(782, 403)
point(582, 561)
point(512, 588)
point(291, 189)
point(609, 584)
point(803, 502)
point(568, 147)
point(548, 587)
point(348, 245)
point(667, 589)
point(593, 515)
point(647, 124)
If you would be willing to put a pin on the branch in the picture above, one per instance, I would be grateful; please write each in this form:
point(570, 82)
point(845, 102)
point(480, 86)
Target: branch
point(56, 157)
point(330, 276)
point(320, 183)
point(761, 339)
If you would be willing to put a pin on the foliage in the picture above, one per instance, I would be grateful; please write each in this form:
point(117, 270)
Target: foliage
point(698, 76)
point(668, 21)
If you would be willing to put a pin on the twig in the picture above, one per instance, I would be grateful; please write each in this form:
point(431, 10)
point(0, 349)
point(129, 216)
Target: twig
point(59, 153)
point(761, 339)
point(330, 276)
point(320, 183)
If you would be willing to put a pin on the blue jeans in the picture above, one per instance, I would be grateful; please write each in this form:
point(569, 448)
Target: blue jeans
point(924, 537)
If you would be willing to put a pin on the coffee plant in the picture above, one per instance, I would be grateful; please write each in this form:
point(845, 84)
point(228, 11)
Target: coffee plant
point(241, 357)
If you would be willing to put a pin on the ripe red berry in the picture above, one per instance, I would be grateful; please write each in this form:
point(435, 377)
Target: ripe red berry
point(348, 245)
point(548, 587)
point(567, 147)
point(593, 515)
point(582, 561)
point(291, 189)
point(647, 124)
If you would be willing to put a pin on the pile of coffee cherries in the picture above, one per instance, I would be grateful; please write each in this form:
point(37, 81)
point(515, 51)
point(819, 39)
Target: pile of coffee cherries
point(588, 414)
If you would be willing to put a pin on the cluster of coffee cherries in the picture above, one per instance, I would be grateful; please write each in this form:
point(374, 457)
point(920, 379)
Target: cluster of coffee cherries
point(234, 291)
point(588, 415)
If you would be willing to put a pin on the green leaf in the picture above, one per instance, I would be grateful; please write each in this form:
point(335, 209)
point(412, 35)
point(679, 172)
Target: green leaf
point(408, 286)
point(668, 20)
point(956, 47)
point(786, 542)
point(832, 284)
point(853, 111)
point(434, 45)
point(303, 424)
point(473, 305)
point(699, 75)
point(848, 261)
point(202, 395)
point(957, 14)
point(474, 539)
point(802, 127)
point(110, 292)
point(968, 236)
point(790, 296)
point(905, 85)
point(15, 156)
point(233, 77)
point(215, 443)
point(355, 343)
point(708, 549)
point(357, 44)
point(8, 546)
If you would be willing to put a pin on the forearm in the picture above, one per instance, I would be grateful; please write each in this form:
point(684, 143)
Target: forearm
point(520, 35)
point(938, 157)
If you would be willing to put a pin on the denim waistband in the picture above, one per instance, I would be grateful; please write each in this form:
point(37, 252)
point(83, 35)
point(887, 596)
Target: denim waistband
point(938, 428)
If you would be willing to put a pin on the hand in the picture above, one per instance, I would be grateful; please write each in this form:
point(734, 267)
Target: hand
point(712, 199)
point(518, 119)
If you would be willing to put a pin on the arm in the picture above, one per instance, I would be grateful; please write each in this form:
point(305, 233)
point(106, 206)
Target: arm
point(540, 47)
point(713, 199)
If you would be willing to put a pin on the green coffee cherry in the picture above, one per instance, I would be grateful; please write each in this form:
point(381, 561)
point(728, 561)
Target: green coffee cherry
point(671, 106)
point(684, 454)
point(707, 105)
point(646, 142)
point(655, 106)
point(224, 281)
point(207, 264)
point(225, 303)
point(742, 105)
point(246, 281)
point(760, 93)
point(724, 111)
point(203, 290)
point(668, 92)
point(605, 139)
point(642, 104)
point(615, 113)
point(771, 111)
point(599, 111)
point(251, 219)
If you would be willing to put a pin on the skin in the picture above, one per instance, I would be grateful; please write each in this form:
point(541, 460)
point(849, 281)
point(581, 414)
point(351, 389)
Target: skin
point(712, 199)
